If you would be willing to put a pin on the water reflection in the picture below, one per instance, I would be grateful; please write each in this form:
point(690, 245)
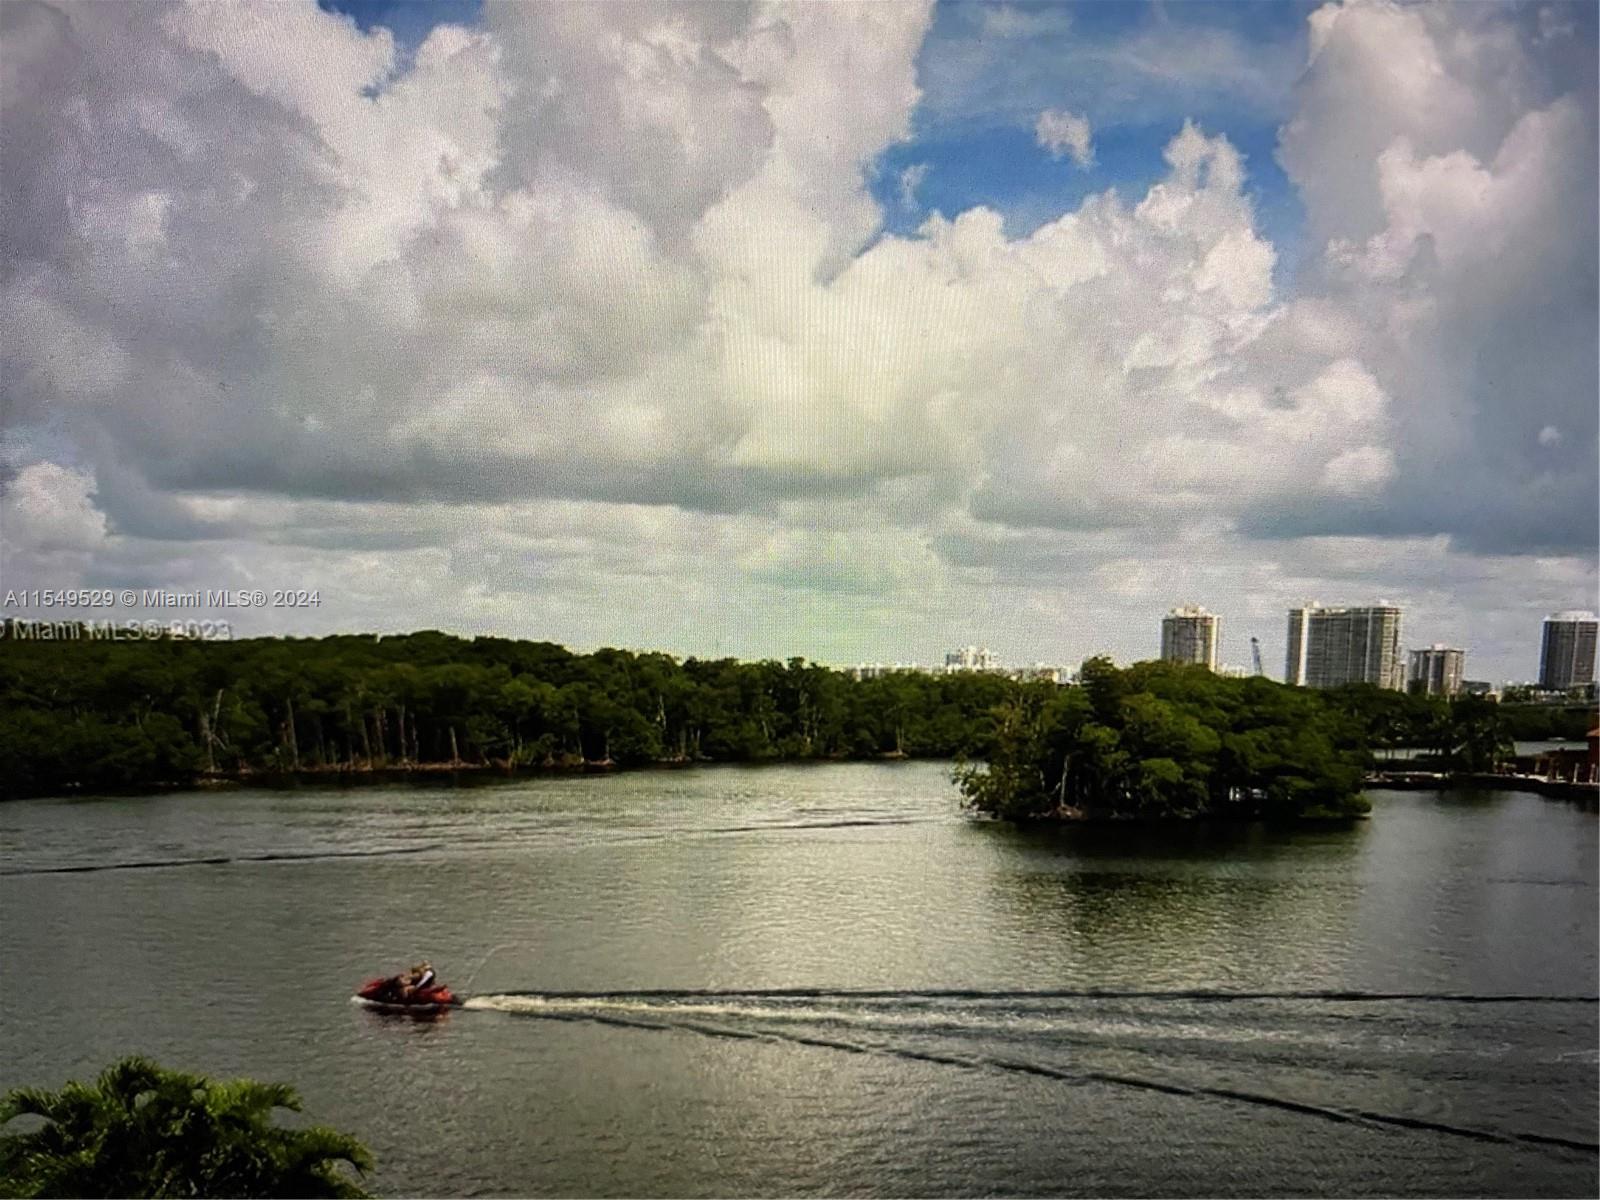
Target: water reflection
point(1239, 906)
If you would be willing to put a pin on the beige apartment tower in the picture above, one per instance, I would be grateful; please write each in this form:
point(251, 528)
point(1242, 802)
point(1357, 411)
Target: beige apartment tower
point(1333, 646)
point(1190, 634)
point(1437, 671)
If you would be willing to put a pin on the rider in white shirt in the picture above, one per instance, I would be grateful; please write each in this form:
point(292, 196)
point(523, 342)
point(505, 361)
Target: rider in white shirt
point(416, 979)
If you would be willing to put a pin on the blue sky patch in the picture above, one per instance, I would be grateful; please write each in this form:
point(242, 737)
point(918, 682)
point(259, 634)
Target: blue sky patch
point(409, 20)
point(1135, 70)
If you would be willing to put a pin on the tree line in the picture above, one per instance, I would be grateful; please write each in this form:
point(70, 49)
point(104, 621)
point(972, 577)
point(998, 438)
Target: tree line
point(87, 714)
point(81, 713)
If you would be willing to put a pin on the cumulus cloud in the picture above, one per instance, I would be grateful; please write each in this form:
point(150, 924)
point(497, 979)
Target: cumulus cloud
point(1449, 171)
point(51, 507)
point(51, 531)
point(588, 312)
point(1065, 134)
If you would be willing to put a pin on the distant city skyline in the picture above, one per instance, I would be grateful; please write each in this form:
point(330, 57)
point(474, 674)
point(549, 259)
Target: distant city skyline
point(1415, 640)
point(1191, 633)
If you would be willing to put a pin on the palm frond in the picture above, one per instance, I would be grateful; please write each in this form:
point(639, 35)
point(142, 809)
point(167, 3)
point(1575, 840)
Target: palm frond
point(141, 1130)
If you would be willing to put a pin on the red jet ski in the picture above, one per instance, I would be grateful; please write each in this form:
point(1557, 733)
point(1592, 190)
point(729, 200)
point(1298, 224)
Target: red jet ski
point(389, 993)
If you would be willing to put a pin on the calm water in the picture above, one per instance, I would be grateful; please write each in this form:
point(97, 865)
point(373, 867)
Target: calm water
point(826, 981)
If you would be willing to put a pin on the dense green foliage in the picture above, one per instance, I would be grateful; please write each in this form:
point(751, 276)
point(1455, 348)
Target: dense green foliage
point(1158, 740)
point(140, 1130)
point(83, 713)
point(1165, 741)
point(1466, 733)
point(1544, 722)
point(97, 714)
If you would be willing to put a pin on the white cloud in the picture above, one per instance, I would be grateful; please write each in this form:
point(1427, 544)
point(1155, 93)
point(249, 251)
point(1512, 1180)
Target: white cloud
point(1064, 134)
point(51, 531)
point(585, 325)
point(1451, 169)
point(1360, 472)
point(51, 507)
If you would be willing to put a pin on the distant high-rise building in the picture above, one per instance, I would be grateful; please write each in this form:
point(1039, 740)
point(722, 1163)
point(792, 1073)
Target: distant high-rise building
point(1294, 662)
point(971, 658)
point(1437, 671)
point(1567, 657)
point(1190, 635)
point(1333, 646)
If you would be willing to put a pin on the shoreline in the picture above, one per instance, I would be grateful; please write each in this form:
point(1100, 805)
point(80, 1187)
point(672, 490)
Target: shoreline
point(1587, 794)
point(344, 775)
point(1212, 820)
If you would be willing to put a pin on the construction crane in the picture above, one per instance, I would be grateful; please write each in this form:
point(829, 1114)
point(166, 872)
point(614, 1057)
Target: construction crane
point(1255, 655)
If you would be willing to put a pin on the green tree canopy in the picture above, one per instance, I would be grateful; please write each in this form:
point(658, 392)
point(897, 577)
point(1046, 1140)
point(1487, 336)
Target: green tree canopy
point(1164, 741)
point(83, 713)
point(141, 1130)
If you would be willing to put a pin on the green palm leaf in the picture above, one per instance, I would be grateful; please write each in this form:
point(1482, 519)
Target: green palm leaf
point(141, 1130)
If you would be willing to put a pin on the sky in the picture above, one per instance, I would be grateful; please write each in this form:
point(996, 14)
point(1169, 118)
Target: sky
point(857, 332)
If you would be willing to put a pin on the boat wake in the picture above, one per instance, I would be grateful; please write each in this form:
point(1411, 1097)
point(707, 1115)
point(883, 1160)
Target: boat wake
point(672, 994)
point(219, 860)
point(1310, 1053)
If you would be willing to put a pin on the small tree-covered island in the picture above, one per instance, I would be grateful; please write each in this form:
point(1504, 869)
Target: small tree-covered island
point(1159, 741)
point(1154, 740)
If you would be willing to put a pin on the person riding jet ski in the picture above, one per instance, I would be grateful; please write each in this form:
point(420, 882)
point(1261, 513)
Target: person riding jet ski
point(417, 979)
point(419, 989)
